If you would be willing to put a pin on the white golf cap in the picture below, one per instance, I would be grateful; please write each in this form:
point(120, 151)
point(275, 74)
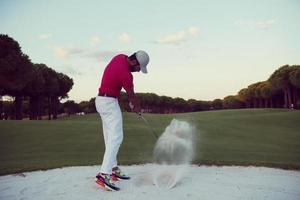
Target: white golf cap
point(143, 59)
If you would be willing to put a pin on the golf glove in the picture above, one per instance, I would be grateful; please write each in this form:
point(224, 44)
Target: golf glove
point(131, 105)
point(135, 108)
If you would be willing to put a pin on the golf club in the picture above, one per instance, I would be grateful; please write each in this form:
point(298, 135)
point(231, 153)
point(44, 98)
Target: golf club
point(150, 127)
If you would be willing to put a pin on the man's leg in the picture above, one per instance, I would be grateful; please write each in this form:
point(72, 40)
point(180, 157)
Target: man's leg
point(106, 109)
point(104, 130)
point(119, 137)
point(112, 122)
point(100, 106)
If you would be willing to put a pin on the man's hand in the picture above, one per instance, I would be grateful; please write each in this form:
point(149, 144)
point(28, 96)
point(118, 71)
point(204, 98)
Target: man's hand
point(135, 107)
point(134, 103)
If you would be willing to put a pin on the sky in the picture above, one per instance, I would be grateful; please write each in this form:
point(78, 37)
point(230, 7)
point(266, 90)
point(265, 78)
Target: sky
point(198, 49)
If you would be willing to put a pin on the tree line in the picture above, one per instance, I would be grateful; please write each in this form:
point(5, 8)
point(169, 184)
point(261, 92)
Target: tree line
point(35, 85)
point(38, 89)
point(280, 90)
point(150, 103)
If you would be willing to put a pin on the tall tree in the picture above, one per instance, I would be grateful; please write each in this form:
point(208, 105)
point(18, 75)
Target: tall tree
point(15, 71)
point(280, 80)
point(149, 102)
point(180, 104)
point(258, 94)
point(192, 105)
point(294, 78)
point(253, 94)
point(35, 89)
point(245, 97)
point(267, 92)
point(71, 107)
point(65, 85)
point(217, 104)
point(232, 102)
point(51, 88)
point(1, 105)
point(166, 104)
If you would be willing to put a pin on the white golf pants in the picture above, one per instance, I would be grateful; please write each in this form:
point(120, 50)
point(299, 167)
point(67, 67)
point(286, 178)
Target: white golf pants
point(112, 125)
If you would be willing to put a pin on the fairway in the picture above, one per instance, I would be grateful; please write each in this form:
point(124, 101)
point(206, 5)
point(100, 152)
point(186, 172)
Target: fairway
point(263, 137)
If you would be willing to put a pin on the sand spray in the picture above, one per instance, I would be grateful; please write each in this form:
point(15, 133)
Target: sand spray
point(173, 152)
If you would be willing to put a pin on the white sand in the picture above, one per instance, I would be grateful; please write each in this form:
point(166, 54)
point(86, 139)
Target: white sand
point(199, 183)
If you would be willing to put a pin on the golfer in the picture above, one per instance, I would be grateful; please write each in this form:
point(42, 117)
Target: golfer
point(117, 75)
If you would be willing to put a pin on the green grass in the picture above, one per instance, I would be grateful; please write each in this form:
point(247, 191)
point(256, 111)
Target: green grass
point(263, 137)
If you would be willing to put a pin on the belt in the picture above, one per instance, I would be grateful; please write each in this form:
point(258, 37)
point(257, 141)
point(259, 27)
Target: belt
point(105, 95)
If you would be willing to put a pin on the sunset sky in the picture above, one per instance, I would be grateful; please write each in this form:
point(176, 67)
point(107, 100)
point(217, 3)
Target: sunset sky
point(198, 49)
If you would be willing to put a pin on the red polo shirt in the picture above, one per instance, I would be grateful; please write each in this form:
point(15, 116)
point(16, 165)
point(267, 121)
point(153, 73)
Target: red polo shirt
point(116, 75)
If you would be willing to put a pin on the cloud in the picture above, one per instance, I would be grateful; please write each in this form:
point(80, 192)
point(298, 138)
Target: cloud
point(89, 53)
point(64, 52)
point(75, 51)
point(45, 36)
point(106, 55)
point(179, 37)
point(95, 40)
point(267, 24)
point(71, 71)
point(175, 38)
point(193, 31)
point(60, 52)
point(125, 38)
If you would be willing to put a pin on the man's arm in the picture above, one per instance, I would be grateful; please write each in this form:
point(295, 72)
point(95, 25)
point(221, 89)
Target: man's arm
point(133, 101)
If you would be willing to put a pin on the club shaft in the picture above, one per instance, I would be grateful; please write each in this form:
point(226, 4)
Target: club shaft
point(146, 122)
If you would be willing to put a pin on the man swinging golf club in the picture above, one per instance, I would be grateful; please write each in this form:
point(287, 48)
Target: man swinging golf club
point(117, 75)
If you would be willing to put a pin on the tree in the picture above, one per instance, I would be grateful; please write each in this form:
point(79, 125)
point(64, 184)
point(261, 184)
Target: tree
point(192, 105)
point(1, 106)
point(180, 104)
point(70, 107)
point(254, 95)
point(217, 104)
point(84, 106)
point(232, 102)
point(92, 106)
point(15, 71)
point(245, 97)
point(165, 104)
point(267, 92)
point(280, 80)
point(51, 88)
point(8, 109)
point(35, 89)
point(149, 102)
point(294, 78)
point(258, 94)
point(65, 84)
